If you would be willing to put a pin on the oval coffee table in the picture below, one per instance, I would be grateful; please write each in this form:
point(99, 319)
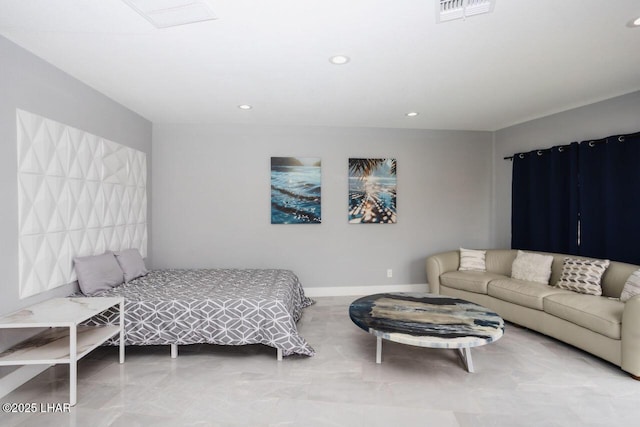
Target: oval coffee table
point(427, 320)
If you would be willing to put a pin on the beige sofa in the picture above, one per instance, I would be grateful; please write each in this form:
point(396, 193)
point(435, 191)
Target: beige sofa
point(601, 325)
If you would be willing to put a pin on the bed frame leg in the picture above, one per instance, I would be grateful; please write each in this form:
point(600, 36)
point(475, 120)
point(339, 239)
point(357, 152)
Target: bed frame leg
point(279, 355)
point(174, 351)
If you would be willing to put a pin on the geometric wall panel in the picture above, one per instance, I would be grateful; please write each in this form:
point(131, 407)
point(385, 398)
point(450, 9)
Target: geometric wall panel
point(78, 194)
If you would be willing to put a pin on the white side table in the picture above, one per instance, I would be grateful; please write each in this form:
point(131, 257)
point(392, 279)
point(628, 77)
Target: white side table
point(65, 341)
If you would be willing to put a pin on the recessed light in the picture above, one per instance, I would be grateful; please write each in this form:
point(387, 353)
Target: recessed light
point(412, 114)
point(636, 22)
point(245, 107)
point(339, 59)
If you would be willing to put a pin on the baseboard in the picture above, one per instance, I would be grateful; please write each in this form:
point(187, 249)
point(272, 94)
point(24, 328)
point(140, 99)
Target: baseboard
point(16, 378)
point(334, 291)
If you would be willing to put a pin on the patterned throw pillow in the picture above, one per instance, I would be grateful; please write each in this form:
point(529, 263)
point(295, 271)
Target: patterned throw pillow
point(472, 260)
point(532, 267)
point(582, 275)
point(631, 287)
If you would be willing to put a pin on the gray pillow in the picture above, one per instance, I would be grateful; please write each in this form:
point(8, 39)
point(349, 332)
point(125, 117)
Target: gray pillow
point(98, 273)
point(131, 263)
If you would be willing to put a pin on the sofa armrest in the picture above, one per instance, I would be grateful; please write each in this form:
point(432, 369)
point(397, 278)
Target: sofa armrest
point(438, 264)
point(631, 337)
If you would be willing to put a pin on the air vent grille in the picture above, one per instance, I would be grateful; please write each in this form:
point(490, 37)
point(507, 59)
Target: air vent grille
point(171, 13)
point(448, 10)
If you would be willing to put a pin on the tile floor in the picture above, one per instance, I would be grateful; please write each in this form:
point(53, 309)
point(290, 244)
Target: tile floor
point(524, 379)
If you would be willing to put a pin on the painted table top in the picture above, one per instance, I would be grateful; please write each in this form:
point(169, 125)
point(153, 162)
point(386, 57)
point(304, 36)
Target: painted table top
point(426, 320)
point(57, 312)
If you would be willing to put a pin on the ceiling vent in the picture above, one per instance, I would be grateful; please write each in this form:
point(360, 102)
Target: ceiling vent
point(448, 10)
point(171, 13)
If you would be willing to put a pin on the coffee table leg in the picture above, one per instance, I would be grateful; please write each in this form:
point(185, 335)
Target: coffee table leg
point(378, 350)
point(465, 355)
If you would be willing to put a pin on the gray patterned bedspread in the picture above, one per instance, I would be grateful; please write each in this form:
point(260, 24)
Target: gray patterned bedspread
point(218, 306)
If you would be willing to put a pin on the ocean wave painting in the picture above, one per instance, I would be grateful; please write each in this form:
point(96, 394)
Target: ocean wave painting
point(372, 191)
point(295, 190)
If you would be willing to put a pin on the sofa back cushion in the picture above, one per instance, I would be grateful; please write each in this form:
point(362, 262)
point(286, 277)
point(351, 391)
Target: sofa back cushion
point(615, 277)
point(500, 260)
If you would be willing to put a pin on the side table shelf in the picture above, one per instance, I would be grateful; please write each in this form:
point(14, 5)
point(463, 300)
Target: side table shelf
point(65, 340)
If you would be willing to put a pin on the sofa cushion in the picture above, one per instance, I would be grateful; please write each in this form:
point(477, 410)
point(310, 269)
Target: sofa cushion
point(471, 281)
point(521, 292)
point(599, 314)
point(500, 261)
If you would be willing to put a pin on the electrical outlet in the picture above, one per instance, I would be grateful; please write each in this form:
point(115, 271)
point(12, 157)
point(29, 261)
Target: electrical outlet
point(389, 272)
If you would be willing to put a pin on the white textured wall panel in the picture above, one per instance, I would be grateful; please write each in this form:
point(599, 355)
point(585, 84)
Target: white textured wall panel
point(78, 194)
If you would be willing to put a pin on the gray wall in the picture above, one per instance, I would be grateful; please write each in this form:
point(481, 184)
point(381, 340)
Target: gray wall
point(614, 116)
point(28, 83)
point(211, 201)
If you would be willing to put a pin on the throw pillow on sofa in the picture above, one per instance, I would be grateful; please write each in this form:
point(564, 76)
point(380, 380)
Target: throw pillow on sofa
point(631, 287)
point(583, 275)
point(472, 260)
point(532, 267)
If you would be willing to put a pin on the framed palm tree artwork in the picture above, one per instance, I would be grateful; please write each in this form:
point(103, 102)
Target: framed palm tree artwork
point(296, 190)
point(372, 191)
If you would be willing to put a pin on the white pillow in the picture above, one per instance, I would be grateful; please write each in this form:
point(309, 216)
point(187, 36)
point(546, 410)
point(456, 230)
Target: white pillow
point(532, 267)
point(631, 287)
point(472, 260)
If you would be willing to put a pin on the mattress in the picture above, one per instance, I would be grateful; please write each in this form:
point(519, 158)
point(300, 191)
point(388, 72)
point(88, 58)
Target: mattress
point(215, 306)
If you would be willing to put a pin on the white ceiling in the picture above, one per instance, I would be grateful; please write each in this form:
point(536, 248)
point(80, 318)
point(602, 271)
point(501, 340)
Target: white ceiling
point(527, 59)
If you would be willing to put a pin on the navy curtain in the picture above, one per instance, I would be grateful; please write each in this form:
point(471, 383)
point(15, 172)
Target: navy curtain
point(544, 214)
point(610, 198)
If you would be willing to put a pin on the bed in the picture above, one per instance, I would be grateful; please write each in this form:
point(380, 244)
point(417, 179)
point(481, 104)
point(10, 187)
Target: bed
point(216, 306)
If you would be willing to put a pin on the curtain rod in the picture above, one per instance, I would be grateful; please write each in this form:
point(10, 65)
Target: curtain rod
point(542, 149)
point(620, 138)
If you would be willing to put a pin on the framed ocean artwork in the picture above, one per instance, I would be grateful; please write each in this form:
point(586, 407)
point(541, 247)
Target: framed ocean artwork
point(296, 190)
point(372, 191)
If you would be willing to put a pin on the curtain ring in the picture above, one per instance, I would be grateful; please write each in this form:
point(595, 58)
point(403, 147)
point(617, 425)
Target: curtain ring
point(521, 155)
point(621, 138)
point(592, 144)
point(539, 152)
point(560, 149)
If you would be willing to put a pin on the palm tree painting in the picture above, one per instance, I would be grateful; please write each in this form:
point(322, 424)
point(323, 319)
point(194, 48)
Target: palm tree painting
point(372, 191)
